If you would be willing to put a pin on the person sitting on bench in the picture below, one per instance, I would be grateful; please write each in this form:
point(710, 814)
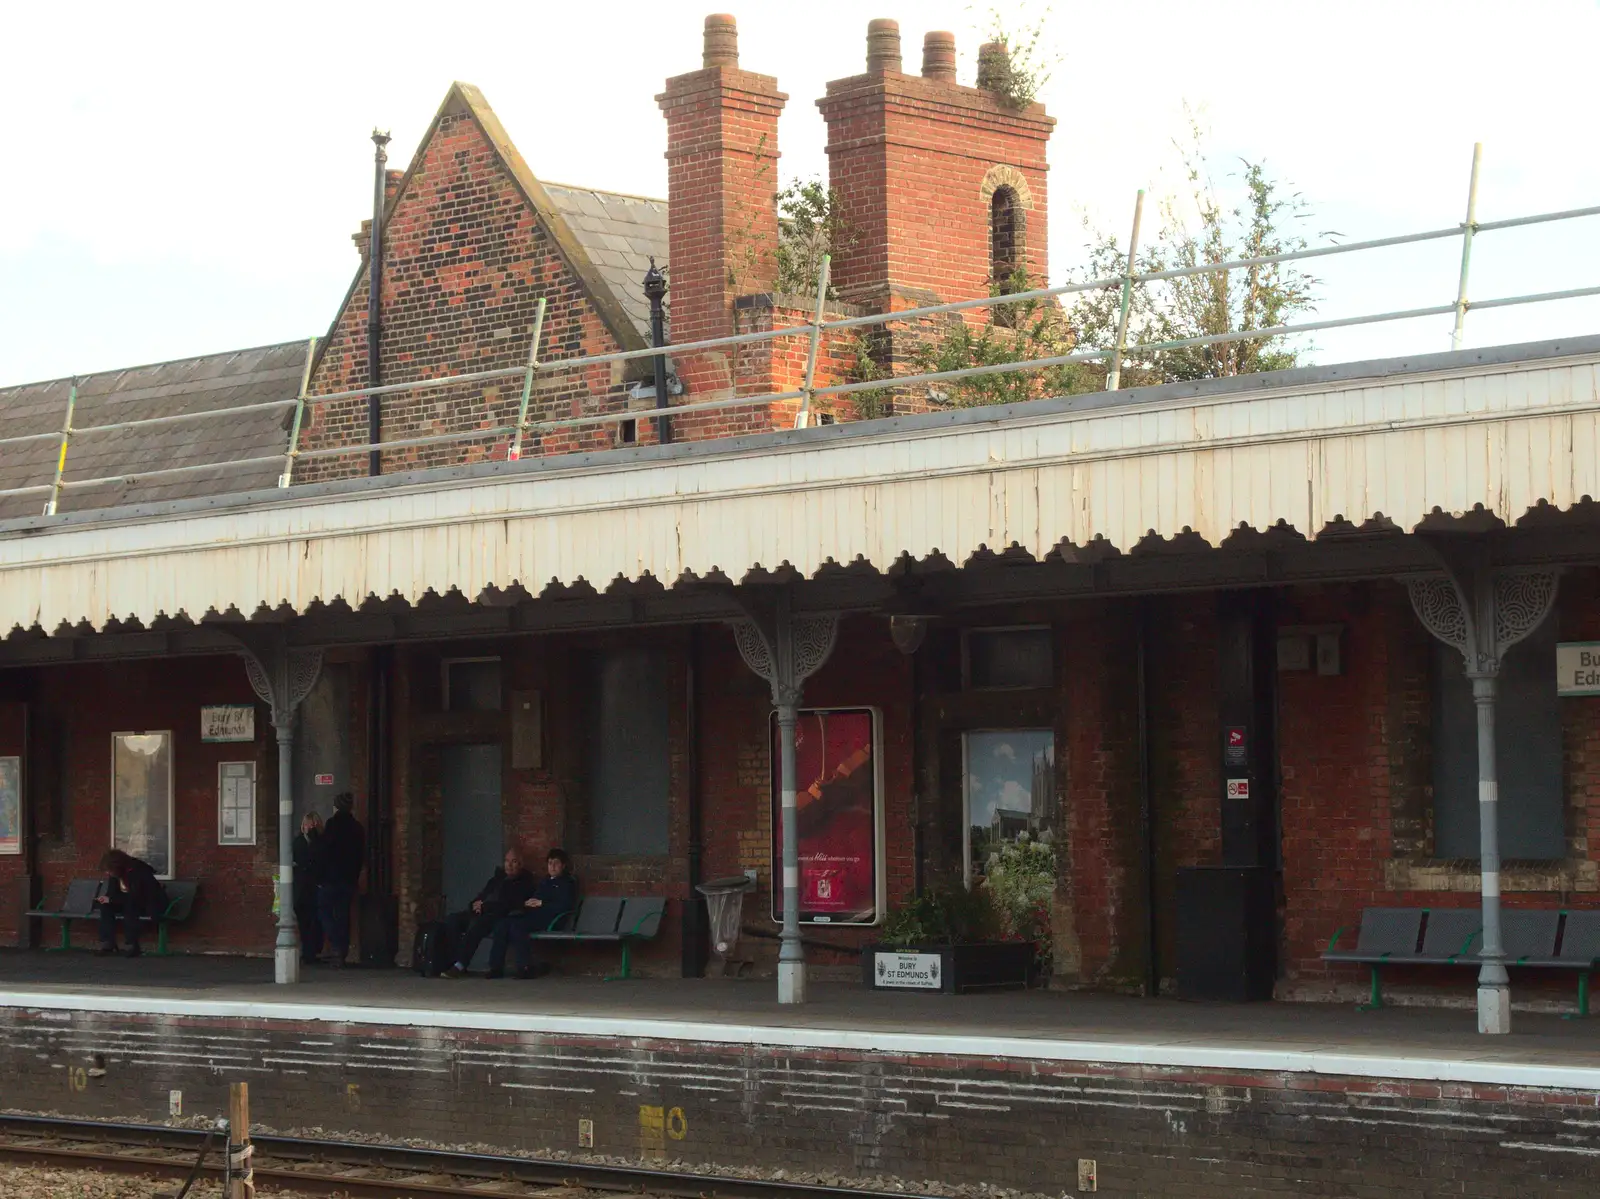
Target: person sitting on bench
point(507, 891)
point(557, 894)
point(132, 892)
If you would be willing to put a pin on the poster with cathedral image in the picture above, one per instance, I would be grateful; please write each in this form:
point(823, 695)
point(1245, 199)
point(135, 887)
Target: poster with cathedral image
point(1009, 791)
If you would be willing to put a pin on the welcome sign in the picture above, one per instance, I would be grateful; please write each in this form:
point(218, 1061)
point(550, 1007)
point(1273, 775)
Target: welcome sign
point(915, 971)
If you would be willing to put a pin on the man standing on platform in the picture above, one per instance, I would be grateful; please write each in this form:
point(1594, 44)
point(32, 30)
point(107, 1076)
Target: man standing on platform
point(344, 846)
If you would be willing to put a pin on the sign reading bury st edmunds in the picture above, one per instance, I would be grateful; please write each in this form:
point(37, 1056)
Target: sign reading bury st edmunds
point(1578, 668)
point(228, 722)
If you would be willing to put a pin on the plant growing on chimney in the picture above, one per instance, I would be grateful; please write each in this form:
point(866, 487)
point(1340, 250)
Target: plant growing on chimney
point(747, 245)
point(1016, 63)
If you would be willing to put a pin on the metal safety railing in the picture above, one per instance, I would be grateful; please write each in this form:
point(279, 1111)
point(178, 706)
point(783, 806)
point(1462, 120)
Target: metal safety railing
point(814, 331)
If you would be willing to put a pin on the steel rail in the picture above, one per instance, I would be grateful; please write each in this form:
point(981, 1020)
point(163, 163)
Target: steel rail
point(480, 1166)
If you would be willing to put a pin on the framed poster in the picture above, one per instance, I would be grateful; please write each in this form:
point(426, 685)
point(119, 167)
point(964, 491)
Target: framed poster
point(839, 800)
point(10, 805)
point(141, 797)
point(236, 803)
point(1008, 791)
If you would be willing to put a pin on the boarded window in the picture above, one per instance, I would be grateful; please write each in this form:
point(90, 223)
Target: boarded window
point(1527, 753)
point(628, 769)
point(472, 684)
point(1008, 658)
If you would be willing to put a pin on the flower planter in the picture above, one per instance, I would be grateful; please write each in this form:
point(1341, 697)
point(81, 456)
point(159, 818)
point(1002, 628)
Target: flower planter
point(987, 965)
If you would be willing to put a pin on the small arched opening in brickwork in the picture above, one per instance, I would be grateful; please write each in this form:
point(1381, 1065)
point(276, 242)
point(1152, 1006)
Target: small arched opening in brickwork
point(1008, 233)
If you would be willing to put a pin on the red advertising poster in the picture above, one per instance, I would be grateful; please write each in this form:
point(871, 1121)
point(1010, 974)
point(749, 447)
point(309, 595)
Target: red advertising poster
point(836, 784)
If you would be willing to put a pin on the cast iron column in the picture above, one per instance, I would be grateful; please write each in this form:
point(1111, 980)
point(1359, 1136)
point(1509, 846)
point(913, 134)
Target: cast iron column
point(1483, 613)
point(282, 677)
point(786, 650)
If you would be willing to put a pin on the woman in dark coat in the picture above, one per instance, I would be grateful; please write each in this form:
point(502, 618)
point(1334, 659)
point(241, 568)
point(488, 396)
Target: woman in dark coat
point(308, 872)
point(132, 892)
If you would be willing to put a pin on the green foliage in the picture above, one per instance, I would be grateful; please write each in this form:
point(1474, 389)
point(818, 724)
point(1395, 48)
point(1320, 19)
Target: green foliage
point(1021, 881)
point(943, 916)
point(1021, 332)
point(1239, 301)
point(1018, 76)
point(867, 366)
point(809, 226)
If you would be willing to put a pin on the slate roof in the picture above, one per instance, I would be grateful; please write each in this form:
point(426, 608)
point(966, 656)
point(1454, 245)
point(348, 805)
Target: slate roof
point(212, 382)
point(619, 234)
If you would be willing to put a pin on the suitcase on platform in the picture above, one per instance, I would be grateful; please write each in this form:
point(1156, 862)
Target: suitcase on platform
point(430, 951)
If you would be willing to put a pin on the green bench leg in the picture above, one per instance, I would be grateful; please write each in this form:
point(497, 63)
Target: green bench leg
point(161, 938)
point(627, 969)
point(66, 933)
point(1376, 999)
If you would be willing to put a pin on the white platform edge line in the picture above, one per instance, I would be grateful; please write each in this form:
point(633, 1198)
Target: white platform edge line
point(1129, 1053)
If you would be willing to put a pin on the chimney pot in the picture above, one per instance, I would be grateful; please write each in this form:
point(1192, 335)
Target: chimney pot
point(939, 57)
point(883, 46)
point(994, 66)
point(721, 41)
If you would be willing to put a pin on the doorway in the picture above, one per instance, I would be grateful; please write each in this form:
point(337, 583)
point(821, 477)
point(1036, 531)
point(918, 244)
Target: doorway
point(470, 823)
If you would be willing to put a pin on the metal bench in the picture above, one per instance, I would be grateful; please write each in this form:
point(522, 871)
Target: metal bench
point(609, 919)
point(1536, 938)
point(81, 904)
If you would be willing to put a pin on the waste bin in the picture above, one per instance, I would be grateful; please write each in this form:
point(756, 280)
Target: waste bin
point(725, 907)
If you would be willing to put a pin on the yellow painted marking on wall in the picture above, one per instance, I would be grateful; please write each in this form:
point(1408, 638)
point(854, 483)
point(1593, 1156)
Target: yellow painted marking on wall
point(652, 1132)
point(677, 1125)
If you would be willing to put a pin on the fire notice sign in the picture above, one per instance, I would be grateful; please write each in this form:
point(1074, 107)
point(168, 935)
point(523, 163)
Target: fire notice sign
point(839, 797)
point(1238, 788)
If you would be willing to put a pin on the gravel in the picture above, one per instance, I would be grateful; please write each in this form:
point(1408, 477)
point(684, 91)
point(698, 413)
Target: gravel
point(30, 1182)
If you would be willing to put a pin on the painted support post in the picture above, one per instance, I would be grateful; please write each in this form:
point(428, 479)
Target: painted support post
point(1468, 228)
point(61, 457)
point(287, 477)
point(1114, 375)
point(786, 650)
point(1482, 613)
point(282, 677)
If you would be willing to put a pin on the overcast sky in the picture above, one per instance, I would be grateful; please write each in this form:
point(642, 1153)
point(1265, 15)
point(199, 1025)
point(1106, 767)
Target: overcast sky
point(185, 178)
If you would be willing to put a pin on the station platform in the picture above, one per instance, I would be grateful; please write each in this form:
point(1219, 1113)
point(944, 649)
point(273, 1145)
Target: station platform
point(1396, 1042)
point(1018, 1089)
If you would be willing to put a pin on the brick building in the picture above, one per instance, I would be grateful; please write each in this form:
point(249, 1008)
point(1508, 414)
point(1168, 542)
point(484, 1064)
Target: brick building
point(1211, 663)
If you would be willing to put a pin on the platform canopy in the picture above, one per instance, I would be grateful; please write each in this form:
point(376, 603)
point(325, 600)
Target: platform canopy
point(1486, 435)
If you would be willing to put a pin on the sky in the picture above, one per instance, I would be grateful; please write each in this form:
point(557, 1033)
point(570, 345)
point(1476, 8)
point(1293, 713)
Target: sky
point(185, 178)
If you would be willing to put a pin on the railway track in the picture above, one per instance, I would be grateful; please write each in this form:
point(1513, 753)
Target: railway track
point(367, 1171)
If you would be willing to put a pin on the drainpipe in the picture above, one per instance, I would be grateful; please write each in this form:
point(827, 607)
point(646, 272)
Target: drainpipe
point(380, 159)
point(694, 920)
point(655, 290)
point(1147, 819)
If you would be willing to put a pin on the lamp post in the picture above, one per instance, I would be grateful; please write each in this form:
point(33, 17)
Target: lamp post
point(655, 290)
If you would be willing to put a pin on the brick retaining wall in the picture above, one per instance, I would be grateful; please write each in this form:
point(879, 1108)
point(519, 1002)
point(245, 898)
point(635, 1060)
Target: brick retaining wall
point(1151, 1130)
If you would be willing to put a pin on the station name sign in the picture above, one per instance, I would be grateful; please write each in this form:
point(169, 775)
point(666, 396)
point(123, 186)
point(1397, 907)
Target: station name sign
point(228, 722)
point(1578, 668)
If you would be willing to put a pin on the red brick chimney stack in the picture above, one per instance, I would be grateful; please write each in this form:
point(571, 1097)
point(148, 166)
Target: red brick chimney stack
point(917, 162)
point(722, 183)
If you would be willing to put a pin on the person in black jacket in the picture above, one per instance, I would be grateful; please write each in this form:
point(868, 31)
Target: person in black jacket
point(344, 851)
point(132, 892)
point(510, 888)
point(308, 863)
point(556, 895)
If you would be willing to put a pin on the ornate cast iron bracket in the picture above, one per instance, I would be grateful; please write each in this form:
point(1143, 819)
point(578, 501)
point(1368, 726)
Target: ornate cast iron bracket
point(1485, 613)
point(785, 650)
point(283, 679)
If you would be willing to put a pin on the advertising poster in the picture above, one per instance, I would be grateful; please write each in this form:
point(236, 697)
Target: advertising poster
point(10, 805)
point(837, 801)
